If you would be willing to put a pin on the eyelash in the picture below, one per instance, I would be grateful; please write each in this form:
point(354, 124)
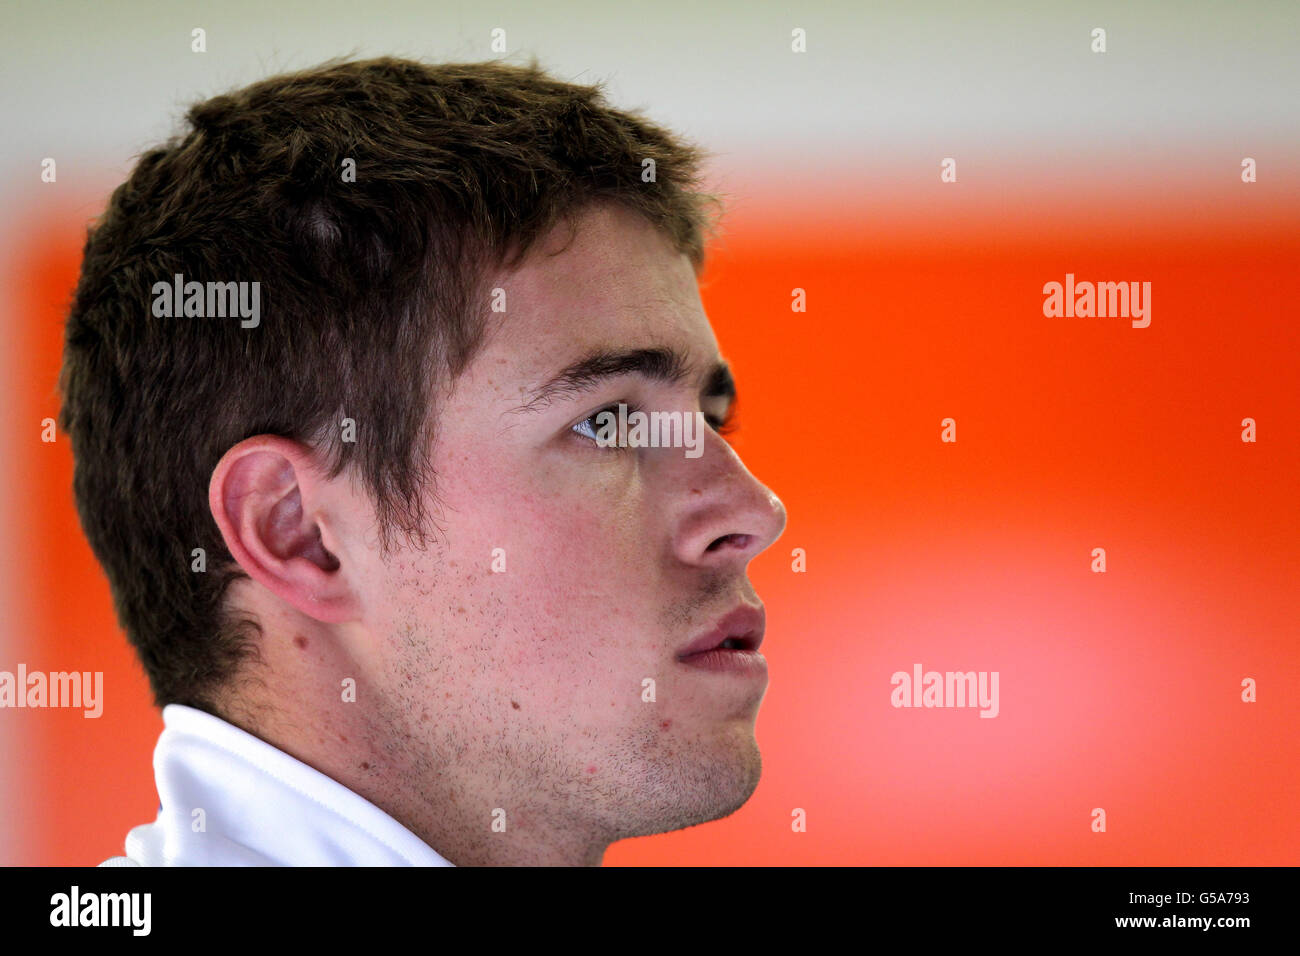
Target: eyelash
point(723, 426)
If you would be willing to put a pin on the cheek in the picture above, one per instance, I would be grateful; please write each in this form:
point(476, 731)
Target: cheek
point(560, 536)
point(579, 588)
point(543, 588)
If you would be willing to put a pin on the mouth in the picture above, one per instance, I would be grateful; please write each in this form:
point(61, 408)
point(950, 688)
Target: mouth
point(731, 644)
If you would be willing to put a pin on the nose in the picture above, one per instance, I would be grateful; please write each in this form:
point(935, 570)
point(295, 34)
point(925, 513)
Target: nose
point(726, 516)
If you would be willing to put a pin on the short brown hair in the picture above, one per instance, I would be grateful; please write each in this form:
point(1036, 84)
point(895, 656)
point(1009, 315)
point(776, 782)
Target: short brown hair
point(374, 292)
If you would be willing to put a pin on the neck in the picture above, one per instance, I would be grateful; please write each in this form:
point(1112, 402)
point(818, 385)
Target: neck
point(469, 812)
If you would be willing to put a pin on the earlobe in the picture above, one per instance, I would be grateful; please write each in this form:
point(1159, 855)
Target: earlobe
point(265, 496)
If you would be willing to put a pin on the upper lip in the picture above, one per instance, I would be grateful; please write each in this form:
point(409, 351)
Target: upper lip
point(744, 624)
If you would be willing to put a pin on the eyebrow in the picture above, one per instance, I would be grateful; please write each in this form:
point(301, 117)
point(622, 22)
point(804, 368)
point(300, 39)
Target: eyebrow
point(657, 364)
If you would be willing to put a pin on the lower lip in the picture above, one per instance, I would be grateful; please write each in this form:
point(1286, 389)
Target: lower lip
point(747, 663)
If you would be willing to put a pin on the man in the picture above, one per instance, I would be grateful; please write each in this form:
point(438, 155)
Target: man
point(401, 598)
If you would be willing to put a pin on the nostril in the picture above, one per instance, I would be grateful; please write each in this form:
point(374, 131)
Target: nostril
point(740, 541)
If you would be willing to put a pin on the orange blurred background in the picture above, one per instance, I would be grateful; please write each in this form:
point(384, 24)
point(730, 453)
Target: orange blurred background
point(1118, 690)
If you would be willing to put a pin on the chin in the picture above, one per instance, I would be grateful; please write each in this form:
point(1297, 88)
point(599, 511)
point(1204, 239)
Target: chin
point(684, 789)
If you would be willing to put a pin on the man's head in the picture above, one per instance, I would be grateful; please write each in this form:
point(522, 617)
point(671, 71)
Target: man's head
point(391, 476)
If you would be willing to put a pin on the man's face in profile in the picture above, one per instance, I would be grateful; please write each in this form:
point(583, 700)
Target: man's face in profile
point(527, 688)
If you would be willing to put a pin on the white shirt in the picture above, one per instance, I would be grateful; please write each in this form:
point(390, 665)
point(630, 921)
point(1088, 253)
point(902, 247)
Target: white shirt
point(260, 807)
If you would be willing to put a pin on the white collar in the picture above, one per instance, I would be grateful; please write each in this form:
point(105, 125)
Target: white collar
point(261, 807)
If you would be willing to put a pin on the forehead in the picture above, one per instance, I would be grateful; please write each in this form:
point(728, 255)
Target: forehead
point(610, 279)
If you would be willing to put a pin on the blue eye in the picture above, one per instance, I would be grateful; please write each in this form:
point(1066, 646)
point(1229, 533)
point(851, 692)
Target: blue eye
point(591, 430)
point(587, 428)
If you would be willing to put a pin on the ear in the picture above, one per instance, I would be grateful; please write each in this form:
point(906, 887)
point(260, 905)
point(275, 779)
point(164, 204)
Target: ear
point(270, 502)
